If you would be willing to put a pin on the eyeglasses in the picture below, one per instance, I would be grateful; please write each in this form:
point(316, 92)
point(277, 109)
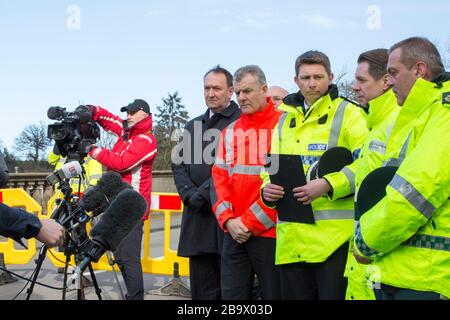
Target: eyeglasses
point(133, 112)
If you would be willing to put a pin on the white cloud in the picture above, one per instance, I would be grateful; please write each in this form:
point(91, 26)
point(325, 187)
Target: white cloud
point(261, 19)
point(320, 21)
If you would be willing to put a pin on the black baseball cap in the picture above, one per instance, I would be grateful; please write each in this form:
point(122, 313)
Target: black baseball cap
point(136, 105)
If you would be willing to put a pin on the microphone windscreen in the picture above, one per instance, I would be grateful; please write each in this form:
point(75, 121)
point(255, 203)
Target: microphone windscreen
point(111, 184)
point(99, 196)
point(118, 220)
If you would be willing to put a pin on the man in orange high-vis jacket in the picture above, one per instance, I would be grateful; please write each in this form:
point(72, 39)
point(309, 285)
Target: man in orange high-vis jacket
point(249, 240)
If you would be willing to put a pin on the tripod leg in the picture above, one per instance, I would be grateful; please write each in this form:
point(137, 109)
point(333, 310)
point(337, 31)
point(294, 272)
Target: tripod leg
point(111, 263)
point(98, 291)
point(66, 266)
point(39, 262)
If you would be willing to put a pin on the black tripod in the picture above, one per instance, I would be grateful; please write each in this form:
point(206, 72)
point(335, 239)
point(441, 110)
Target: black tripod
point(74, 219)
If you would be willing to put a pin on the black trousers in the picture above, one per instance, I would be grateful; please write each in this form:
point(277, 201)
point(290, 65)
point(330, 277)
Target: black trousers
point(128, 258)
point(393, 293)
point(240, 264)
point(316, 281)
point(204, 277)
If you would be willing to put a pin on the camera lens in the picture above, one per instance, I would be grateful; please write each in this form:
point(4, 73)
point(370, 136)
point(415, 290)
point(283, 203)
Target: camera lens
point(57, 131)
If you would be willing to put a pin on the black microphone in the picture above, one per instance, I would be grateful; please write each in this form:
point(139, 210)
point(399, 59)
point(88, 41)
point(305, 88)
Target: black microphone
point(115, 224)
point(97, 198)
point(55, 113)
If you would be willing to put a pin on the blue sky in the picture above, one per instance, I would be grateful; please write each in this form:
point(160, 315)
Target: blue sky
point(111, 52)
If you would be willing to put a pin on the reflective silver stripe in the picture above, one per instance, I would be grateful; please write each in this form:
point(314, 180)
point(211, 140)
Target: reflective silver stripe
point(414, 197)
point(95, 176)
point(334, 215)
point(224, 167)
point(62, 160)
point(377, 146)
point(351, 178)
point(397, 162)
point(429, 242)
point(280, 125)
point(248, 170)
point(222, 207)
point(336, 126)
point(229, 157)
point(261, 216)
point(389, 131)
point(136, 178)
point(330, 215)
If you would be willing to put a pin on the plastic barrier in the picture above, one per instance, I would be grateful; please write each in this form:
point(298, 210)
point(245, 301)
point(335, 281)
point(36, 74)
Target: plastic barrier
point(19, 198)
point(166, 203)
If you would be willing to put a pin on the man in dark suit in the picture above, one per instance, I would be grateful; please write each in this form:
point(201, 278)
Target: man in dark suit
point(200, 236)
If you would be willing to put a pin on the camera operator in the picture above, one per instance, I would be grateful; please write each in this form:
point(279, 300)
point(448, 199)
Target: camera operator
point(4, 173)
point(132, 156)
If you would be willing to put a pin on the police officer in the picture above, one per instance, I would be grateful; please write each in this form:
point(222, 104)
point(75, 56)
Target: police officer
point(312, 257)
point(406, 234)
point(373, 93)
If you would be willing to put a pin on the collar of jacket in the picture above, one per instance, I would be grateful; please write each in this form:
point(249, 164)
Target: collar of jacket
point(422, 95)
point(261, 118)
point(380, 108)
point(441, 78)
point(227, 112)
point(297, 100)
point(143, 126)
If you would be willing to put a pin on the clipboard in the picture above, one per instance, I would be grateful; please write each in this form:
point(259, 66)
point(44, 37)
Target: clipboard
point(290, 175)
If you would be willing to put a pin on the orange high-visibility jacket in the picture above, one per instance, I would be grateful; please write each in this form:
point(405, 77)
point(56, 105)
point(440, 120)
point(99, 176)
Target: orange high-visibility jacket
point(241, 156)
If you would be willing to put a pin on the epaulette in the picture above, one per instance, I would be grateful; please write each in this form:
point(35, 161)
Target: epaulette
point(446, 99)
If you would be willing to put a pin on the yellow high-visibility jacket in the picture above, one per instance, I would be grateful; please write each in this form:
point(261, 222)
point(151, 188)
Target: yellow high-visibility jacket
point(407, 233)
point(332, 121)
point(92, 167)
point(383, 111)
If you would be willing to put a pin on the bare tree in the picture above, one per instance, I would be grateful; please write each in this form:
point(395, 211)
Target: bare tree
point(33, 142)
point(344, 83)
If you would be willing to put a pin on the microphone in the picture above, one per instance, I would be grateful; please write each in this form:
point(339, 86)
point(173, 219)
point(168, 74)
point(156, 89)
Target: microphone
point(98, 197)
point(115, 224)
point(68, 170)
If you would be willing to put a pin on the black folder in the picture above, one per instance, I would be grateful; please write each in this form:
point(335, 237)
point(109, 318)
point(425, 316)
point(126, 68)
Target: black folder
point(290, 175)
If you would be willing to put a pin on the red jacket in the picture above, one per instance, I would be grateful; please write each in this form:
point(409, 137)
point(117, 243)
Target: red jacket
point(132, 155)
point(236, 172)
